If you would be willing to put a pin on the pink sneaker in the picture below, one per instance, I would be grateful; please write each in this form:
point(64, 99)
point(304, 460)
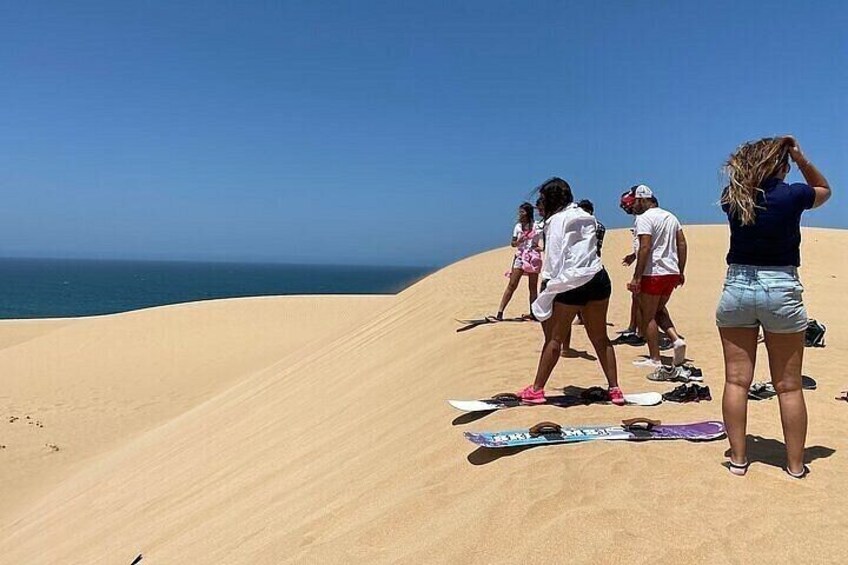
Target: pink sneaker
point(616, 396)
point(532, 396)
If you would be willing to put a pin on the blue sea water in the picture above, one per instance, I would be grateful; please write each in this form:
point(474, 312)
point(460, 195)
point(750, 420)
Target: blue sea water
point(53, 288)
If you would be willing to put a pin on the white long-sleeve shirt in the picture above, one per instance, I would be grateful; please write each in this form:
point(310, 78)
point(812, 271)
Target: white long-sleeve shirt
point(571, 255)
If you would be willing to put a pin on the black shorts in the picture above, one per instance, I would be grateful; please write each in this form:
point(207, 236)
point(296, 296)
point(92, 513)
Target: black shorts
point(599, 288)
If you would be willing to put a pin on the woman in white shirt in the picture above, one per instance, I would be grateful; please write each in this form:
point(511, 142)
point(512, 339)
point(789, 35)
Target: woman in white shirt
point(578, 284)
point(526, 238)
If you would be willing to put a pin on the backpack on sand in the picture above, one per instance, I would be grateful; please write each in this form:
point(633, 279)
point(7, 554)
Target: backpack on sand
point(815, 334)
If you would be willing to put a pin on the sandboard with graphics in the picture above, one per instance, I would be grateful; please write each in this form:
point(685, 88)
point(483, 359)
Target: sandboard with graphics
point(636, 429)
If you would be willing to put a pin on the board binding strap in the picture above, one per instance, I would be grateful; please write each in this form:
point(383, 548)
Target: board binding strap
point(592, 395)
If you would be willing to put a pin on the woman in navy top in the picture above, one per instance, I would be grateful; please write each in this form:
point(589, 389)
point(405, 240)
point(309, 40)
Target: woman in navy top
point(762, 288)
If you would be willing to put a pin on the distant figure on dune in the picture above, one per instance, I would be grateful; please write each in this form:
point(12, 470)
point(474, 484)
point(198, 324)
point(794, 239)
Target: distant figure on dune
point(762, 287)
point(578, 283)
point(540, 226)
point(526, 238)
point(660, 266)
point(589, 208)
point(633, 334)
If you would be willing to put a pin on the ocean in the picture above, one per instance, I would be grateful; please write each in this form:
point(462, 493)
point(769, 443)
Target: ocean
point(59, 288)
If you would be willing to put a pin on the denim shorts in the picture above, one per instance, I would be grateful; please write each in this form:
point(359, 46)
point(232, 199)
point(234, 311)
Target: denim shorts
point(762, 296)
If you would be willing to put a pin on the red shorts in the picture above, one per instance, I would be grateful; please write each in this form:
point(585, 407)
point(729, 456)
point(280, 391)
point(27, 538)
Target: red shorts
point(659, 285)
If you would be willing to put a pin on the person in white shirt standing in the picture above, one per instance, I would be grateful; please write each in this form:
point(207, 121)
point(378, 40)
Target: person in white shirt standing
point(660, 266)
point(576, 283)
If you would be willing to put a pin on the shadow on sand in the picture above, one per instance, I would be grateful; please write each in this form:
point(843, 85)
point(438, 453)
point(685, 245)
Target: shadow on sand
point(471, 324)
point(773, 452)
point(486, 455)
point(576, 354)
point(469, 417)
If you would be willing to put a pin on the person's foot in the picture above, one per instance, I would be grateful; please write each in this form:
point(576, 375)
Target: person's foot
point(738, 469)
point(616, 396)
point(499, 316)
point(530, 395)
point(679, 347)
point(803, 473)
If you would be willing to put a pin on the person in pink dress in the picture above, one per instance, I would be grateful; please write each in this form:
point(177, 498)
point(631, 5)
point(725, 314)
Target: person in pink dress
point(526, 239)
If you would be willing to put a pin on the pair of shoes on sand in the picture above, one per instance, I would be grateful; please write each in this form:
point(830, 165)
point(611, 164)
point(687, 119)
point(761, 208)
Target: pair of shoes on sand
point(630, 337)
point(688, 393)
point(676, 373)
point(531, 395)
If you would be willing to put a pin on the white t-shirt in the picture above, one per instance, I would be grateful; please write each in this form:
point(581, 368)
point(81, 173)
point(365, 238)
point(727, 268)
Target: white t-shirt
point(662, 226)
point(526, 244)
point(571, 256)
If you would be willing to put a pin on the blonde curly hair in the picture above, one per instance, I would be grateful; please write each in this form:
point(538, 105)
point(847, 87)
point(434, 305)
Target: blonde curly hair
point(747, 169)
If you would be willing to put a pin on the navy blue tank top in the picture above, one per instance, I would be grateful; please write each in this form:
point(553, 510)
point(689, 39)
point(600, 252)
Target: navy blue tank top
point(774, 239)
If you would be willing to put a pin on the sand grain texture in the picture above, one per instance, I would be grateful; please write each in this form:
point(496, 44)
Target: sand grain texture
point(348, 452)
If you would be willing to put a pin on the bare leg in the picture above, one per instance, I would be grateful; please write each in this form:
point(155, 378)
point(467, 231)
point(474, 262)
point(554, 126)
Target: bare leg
point(635, 324)
point(554, 328)
point(740, 357)
point(648, 306)
point(533, 285)
point(664, 320)
point(595, 322)
point(566, 338)
point(786, 355)
point(514, 279)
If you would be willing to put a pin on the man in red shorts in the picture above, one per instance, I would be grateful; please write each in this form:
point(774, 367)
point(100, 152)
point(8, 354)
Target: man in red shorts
point(660, 264)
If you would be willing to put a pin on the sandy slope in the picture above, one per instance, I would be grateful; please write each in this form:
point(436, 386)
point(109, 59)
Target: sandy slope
point(350, 453)
point(13, 332)
point(86, 385)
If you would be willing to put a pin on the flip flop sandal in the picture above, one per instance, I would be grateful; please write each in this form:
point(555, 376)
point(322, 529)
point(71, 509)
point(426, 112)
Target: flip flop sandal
point(738, 469)
point(804, 472)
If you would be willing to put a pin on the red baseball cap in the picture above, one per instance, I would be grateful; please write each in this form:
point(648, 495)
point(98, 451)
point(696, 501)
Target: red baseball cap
point(627, 200)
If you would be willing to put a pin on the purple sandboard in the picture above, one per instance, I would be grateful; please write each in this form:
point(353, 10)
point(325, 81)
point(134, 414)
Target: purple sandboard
point(697, 431)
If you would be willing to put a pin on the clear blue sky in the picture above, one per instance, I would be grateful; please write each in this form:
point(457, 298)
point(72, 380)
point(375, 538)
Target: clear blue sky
point(389, 132)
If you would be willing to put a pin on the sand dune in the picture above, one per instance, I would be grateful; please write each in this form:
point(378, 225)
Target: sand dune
point(13, 332)
point(347, 451)
point(86, 385)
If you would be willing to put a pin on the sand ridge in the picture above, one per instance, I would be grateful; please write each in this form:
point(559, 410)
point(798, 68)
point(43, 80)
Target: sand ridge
point(349, 453)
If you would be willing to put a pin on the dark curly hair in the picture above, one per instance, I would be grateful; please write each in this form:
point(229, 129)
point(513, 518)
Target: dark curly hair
point(555, 194)
point(528, 209)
